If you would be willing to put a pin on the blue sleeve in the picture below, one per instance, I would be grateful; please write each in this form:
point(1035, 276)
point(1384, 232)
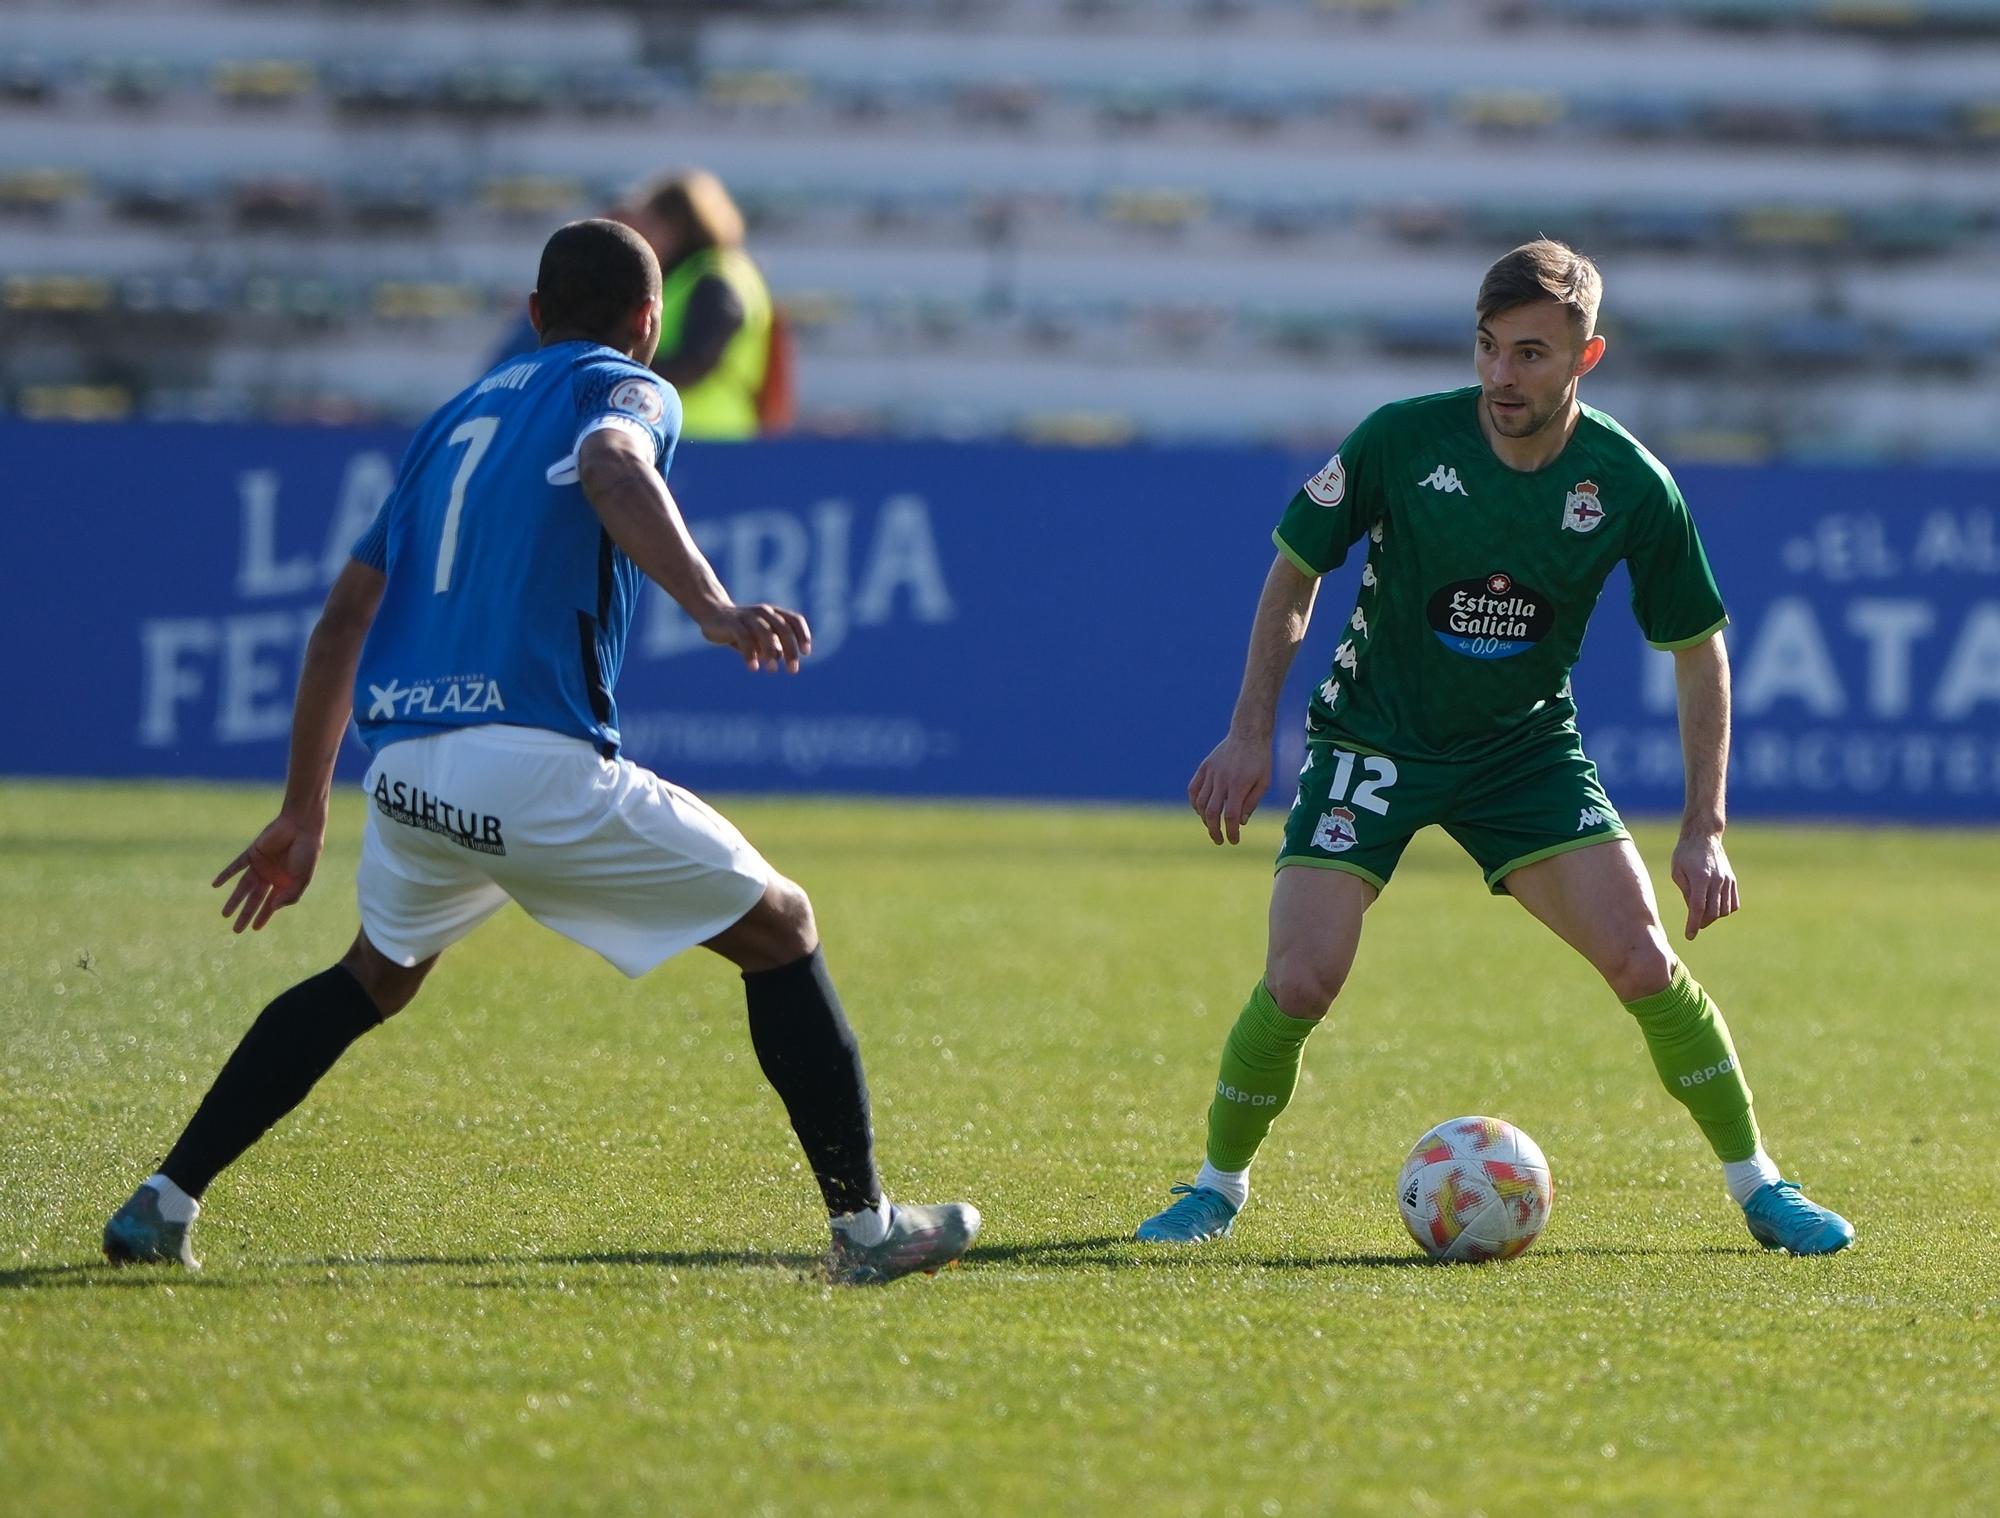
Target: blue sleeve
point(372, 547)
point(631, 396)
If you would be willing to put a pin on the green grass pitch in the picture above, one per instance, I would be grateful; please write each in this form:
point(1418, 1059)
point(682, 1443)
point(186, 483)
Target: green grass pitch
point(543, 1244)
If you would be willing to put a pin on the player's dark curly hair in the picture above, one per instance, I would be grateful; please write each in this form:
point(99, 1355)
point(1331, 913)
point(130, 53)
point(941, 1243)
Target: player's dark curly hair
point(593, 274)
point(1544, 270)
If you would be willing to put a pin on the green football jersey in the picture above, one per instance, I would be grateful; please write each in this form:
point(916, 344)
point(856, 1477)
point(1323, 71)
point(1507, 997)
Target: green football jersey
point(1480, 578)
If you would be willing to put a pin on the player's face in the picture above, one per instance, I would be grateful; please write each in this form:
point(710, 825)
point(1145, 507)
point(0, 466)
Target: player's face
point(1529, 363)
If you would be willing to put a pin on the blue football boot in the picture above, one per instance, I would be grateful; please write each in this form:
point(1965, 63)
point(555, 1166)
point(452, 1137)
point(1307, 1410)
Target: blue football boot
point(1201, 1213)
point(1780, 1217)
point(138, 1235)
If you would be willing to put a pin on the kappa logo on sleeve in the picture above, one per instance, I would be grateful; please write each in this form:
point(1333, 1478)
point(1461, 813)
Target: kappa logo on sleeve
point(1329, 486)
point(640, 398)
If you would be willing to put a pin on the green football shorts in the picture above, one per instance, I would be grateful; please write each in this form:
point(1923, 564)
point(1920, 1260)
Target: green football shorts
point(1358, 811)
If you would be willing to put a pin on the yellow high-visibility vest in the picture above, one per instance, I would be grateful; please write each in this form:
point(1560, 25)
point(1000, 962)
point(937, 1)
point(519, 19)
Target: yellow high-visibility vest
point(724, 403)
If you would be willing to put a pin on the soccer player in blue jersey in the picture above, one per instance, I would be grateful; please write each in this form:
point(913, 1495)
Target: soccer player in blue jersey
point(476, 636)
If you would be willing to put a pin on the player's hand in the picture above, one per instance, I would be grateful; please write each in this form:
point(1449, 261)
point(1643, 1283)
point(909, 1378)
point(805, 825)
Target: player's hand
point(1702, 871)
point(766, 636)
point(276, 870)
point(1229, 784)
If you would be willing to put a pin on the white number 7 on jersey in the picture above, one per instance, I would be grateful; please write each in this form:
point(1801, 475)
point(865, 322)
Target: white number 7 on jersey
point(477, 434)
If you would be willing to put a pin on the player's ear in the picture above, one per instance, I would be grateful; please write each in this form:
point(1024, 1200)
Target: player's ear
point(535, 311)
point(1593, 350)
point(646, 329)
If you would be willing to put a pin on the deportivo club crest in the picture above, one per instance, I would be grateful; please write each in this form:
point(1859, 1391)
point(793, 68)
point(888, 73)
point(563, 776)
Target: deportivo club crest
point(1335, 832)
point(1581, 511)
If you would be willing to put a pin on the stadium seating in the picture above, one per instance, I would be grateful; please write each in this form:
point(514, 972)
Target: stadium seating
point(973, 213)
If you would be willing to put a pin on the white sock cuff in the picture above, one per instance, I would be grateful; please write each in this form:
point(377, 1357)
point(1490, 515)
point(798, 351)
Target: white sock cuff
point(1234, 1184)
point(868, 1227)
point(1745, 1177)
point(176, 1206)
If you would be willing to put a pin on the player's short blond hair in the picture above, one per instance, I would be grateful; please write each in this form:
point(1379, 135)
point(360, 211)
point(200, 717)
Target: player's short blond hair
point(1545, 270)
point(696, 201)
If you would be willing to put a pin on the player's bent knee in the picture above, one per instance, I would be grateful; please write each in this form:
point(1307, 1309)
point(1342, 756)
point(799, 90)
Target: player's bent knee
point(779, 930)
point(389, 985)
point(1642, 968)
point(797, 933)
point(1302, 988)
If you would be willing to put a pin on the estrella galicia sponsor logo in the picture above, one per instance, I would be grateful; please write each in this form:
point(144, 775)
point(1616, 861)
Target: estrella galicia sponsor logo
point(433, 698)
point(1493, 618)
point(413, 806)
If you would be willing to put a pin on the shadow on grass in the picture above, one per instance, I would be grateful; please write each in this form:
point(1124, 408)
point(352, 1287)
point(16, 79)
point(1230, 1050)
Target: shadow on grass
point(1121, 1251)
point(1113, 1251)
point(1547, 1252)
point(658, 1259)
point(98, 1273)
point(250, 1271)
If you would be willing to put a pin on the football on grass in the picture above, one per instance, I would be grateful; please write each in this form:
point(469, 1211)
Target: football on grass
point(1474, 1188)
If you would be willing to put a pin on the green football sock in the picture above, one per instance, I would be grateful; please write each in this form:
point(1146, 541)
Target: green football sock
point(1260, 1070)
point(1690, 1046)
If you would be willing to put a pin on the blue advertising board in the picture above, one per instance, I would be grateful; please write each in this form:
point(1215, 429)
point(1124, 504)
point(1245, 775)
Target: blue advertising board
point(990, 620)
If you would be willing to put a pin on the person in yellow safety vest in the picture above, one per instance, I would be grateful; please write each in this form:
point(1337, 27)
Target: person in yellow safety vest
point(721, 344)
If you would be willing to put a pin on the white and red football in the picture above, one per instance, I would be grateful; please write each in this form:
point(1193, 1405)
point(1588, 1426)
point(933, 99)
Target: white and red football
point(1475, 1188)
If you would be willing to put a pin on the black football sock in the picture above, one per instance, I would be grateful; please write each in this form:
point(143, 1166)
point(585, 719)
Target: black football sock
point(810, 1057)
point(295, 1040)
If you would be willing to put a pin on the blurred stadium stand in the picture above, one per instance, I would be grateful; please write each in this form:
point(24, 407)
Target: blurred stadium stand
point(1088, 220)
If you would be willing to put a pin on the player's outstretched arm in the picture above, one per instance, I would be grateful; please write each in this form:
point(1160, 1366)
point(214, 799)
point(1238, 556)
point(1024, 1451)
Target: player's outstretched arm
point(278, 866)
point(1231, 781)
point(1701, 866)
point(633, 502)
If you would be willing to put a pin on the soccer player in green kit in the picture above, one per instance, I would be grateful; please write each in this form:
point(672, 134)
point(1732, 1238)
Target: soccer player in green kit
point(1493, 515)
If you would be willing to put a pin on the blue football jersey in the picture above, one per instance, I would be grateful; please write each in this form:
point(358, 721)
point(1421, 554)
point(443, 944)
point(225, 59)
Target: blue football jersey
point(506, 599)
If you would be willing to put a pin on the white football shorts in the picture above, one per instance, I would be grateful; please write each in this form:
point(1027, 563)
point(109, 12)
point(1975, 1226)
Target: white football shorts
point(602, 850)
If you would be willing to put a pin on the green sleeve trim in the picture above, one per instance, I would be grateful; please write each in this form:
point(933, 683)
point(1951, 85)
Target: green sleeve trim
point(1701, 637)
point(1496, 879)
point(1314, 862)
point(1293, 554)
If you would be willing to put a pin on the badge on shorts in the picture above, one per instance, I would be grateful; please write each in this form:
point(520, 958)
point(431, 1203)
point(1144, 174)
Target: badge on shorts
point(640, 398)
point(1335, 832)
point(1581, 511)
point(1329, 486)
